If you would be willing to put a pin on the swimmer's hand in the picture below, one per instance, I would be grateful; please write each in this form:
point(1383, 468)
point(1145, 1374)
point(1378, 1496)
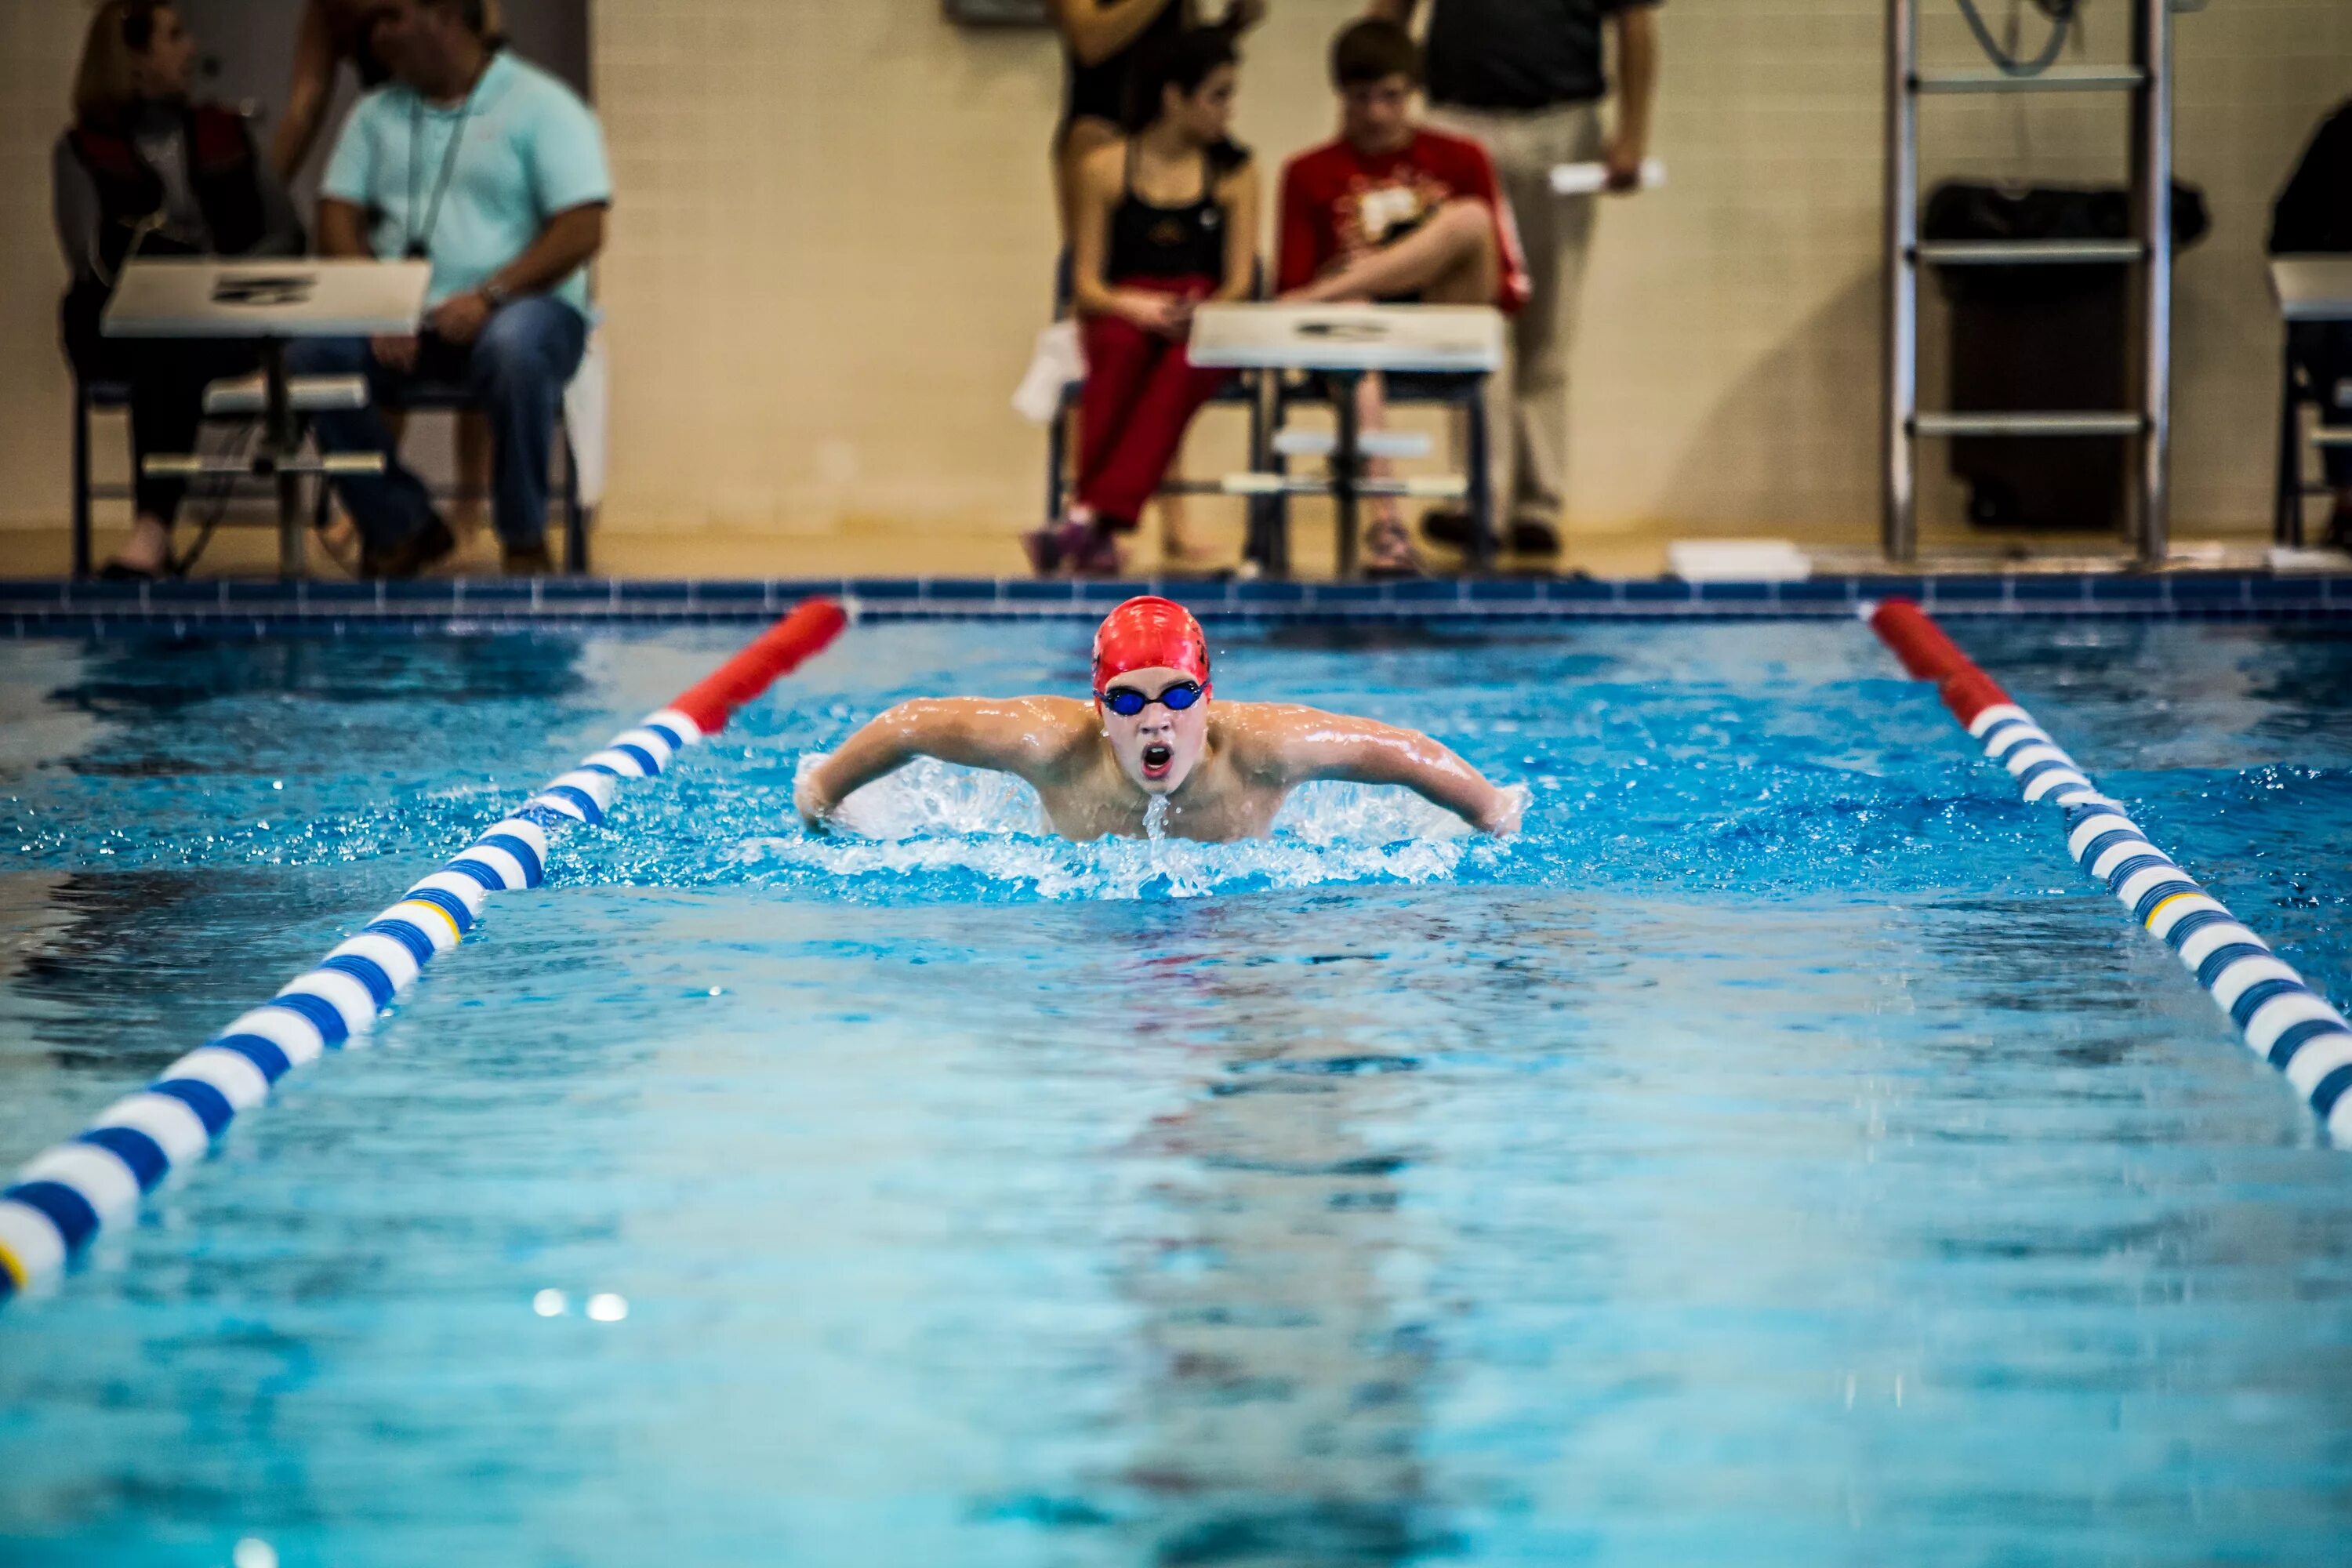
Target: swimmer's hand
point(1502, 815)
point(815, 807)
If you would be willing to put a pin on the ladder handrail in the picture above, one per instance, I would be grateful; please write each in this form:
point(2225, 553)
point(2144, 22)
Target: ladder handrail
point(2149, 77)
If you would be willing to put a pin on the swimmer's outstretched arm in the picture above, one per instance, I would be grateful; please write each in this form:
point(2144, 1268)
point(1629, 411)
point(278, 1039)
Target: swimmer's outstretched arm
point(1312, 744)
point(1029, 736)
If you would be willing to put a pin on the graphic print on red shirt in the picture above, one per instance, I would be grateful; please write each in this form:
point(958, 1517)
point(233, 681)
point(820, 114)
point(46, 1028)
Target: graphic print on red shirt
point(1338, 202)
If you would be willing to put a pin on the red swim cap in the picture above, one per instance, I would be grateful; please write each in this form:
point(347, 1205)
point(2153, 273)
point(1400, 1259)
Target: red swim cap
point(1150, 633)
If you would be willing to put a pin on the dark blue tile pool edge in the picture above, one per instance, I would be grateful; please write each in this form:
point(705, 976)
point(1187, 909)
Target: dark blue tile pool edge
point(49, 606)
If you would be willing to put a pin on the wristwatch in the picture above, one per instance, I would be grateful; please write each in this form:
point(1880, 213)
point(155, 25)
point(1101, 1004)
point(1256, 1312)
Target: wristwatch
point(495, 294)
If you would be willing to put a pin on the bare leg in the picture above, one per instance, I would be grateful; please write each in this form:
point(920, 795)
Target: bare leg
point(473, 457)
point(1178, 546)
point(1451, 256)
point(1372, 413)
point(1388, 548)
point(1477, 279)
point(149, 548)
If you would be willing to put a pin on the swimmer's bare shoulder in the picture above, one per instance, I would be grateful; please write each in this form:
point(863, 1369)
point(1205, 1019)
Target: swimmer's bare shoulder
point(1284, 744)
point(1265, 743)
point(1043, 739)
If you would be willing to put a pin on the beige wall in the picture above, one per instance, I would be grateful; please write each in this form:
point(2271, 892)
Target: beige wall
point(839, 246)
point(834, 237)
point(38, 43)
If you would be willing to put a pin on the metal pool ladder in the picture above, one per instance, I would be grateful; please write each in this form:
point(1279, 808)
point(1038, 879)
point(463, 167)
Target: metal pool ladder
point(2148, 80)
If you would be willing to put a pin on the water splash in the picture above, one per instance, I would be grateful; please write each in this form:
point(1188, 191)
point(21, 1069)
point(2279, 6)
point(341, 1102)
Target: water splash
point(931, 818)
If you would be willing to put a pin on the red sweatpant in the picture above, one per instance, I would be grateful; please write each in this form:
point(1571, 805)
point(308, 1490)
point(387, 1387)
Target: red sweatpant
point(1141, 391)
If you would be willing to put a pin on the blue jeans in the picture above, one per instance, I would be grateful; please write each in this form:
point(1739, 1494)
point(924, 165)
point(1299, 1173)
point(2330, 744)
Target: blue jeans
point(515, 372)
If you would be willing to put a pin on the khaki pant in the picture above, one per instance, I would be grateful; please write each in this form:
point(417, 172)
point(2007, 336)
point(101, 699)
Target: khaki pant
point(1530, 443)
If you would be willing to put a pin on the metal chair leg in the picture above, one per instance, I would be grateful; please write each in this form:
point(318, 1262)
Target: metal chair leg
point(2286, 500)
point(1278, 563)
point(575, 515)
point(1347, 468)
point(1481, 485)
point(81, 482)
point(1057, 454)
point(1259, 548)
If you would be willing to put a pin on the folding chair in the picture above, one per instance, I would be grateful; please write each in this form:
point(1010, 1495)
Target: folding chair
point(2298, 390)
point(1244, 389)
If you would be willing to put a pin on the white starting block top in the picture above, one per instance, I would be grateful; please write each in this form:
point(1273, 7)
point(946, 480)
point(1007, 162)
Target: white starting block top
point(247, 395)
point(295, 298)
point(2312, 287)
point(1429, 337)
point(1737, 560)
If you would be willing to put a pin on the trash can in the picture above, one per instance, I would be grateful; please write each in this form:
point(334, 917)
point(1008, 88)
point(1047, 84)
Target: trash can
point(2043, 337)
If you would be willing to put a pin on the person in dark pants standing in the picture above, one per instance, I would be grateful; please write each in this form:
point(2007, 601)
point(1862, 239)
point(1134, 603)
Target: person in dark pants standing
point(2313, 216)
point(1527, 78)
point(143, 172)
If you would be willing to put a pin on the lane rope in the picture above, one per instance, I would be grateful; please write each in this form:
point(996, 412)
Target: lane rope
point(2283, 1020)
point(66, 1195)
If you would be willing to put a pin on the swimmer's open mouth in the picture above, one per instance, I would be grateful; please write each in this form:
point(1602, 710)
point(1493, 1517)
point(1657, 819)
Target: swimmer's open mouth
point(1156, 760)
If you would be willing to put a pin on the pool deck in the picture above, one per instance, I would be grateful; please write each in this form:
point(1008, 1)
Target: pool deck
point(718, 577)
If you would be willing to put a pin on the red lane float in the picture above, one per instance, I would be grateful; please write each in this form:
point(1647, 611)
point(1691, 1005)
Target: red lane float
point(774, 653)
point(59, 1202)
point(1929, 655)
point(2283, 1021)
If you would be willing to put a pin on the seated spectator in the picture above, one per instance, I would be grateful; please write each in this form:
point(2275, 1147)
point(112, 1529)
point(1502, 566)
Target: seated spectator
point(144, 172)
point(494, 171)
point(1164, 220)
point(2313, 216)
point(1102, 43)
point(1392, 213)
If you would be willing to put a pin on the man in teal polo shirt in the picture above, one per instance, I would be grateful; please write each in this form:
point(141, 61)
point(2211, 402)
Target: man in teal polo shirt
point(493, 172)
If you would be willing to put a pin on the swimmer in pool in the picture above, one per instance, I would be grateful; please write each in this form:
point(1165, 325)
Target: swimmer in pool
point(1152, 733)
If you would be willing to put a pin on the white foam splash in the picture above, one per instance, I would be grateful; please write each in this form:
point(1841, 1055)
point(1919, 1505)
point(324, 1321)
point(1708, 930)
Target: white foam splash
point(932, 817)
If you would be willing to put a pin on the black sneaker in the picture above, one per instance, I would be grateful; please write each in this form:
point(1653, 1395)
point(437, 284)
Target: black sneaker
point(1449, 527)
point(1526, 535)
point(527, 559)
point(1534, 536)
point(412, 554)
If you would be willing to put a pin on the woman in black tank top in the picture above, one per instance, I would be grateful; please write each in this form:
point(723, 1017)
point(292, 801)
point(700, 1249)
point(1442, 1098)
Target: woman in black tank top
point(1172, 243)
point(1162, 222)
point(1102, 40)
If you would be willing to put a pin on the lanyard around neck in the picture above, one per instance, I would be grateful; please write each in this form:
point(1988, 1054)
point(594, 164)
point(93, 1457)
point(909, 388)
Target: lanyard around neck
point(420, 241)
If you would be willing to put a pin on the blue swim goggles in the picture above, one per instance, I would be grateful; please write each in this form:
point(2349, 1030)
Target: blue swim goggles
point(1127, 702)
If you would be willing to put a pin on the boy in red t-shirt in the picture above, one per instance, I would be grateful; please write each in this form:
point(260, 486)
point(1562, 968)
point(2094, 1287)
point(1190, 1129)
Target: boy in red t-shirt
point(1394, 212)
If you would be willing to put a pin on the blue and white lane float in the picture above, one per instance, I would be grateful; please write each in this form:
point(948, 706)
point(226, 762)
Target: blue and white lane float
point(2283, 1020)
point(66, 1195)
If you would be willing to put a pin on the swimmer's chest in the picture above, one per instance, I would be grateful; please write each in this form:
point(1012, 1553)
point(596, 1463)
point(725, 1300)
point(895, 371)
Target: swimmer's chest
point(1239, 810)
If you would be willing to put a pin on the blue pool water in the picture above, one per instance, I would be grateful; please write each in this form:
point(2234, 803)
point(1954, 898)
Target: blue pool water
point(1781, 1154)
